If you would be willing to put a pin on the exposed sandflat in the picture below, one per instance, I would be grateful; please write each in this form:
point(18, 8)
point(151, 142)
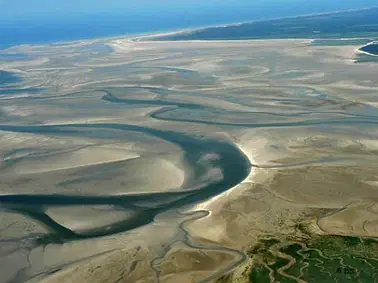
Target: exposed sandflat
point(161, 118)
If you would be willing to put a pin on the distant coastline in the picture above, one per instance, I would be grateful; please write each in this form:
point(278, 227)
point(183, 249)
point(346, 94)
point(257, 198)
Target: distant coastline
point(356, 23)
point(170, 33)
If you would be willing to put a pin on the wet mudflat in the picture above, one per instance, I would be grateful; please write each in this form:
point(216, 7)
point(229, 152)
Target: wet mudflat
point(166, 162)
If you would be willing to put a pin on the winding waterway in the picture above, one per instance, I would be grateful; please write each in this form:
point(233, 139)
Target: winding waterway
point(158, 160)
point(234, 165)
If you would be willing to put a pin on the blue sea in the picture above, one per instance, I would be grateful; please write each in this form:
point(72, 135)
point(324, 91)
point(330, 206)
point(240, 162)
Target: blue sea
point(53, 29)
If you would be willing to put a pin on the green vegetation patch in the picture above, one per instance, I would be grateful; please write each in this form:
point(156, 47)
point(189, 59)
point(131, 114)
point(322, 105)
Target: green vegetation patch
point(315, 259)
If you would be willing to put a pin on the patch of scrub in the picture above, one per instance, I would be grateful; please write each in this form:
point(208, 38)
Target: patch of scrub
point(311, 258)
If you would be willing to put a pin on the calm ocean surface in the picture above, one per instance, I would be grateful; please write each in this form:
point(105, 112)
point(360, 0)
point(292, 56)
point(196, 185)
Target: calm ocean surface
point(36, 30)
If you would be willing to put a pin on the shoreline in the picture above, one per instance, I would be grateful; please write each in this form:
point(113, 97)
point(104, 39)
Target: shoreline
point(174, 31)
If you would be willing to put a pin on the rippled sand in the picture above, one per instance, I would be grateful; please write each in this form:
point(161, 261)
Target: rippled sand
point(169, 161)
